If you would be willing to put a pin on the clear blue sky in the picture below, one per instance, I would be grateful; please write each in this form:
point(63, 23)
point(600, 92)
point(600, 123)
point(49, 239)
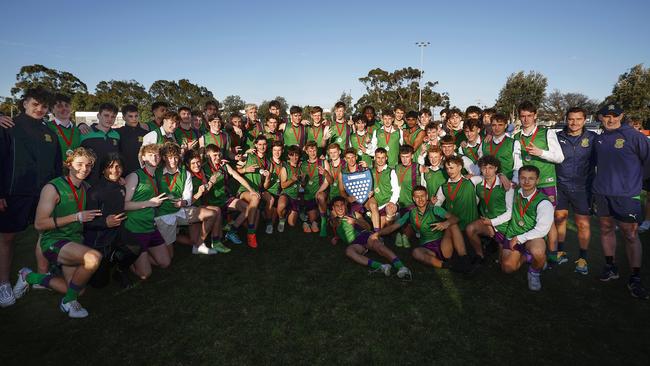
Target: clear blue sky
point(309, 52)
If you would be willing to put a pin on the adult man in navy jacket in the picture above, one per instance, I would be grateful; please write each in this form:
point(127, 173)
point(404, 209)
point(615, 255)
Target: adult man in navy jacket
point(574, 177)
point(621, 151)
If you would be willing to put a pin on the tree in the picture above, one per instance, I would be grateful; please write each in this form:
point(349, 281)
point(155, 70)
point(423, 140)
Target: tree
point(632, 92)
point(232, 104)
point(347, 99)
point(555, 105)
point(521, 87)
point(385, 89)
point(263, 110)
point(122, 93)
point(32, 76)
point(181, 93)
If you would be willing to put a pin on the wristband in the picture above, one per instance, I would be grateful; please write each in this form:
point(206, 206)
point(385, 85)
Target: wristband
point(79, 217)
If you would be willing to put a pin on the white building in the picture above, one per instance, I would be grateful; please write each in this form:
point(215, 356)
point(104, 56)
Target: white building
point(90, 118)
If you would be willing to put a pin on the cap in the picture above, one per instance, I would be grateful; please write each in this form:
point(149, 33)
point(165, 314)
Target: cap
point(611, 108)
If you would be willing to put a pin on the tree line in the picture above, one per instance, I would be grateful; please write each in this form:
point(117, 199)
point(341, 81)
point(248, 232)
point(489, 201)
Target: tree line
point(383, 89)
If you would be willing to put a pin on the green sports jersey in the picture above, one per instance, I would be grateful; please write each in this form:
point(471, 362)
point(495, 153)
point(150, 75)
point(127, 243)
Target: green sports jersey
point(219, 193)
point(313, 178)
point(503, 151)
point(471, 152)
point(407, 177)
point(492, 202)
point(460, 200)
point(348, 233)
point(410, 140)
point(519, 223)
point(434, 179)
point(382, 185)
point(197, 181)
point(340, 134)
point(390, 142)
point(141, 221)
point(317, 134)
point(220, 139)
point(293, 189)
point(459, 136)
point(546, 169)
point(254, 179)
point(421, 222)
point(186, 137)
point(276, 170)
point(69, 137)
point(71, 200)
point(335, 171)
point(294, 135)
point(173, 185)
point(152, 125)
point(356, 141)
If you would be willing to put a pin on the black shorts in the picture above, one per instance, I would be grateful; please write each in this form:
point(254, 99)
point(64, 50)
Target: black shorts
point(19, 214)
point(624, 209)
point(579, 201)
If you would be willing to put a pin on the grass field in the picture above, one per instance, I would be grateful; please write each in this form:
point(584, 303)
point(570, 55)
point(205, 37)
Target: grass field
point(298, 300)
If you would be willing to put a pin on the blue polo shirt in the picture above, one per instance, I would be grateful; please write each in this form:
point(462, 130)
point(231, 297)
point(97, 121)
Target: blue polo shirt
point(576, 172)
point(620, 156)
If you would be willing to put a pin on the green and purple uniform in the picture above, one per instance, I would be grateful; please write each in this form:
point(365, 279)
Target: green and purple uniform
point(492, 202)
point(294, 135)
point(472, 152)
point(173, 185)
point(356, 141)
point(434, 179)
point(408, 177)
point(335, 172)
point(220, 139)
point(276, 170)
point(460, 200)
point(382, 185)
point(421, 223)
point(186, 137)
point(547, 176)
point(503, 151)
point(254, 179)
point(71, 200)
point(390, 142)
point(522, 224)
point(314, 179)
point(141, 221)
point(219, 193)
point(293, 190)
point(340, 134)
point(317, 134)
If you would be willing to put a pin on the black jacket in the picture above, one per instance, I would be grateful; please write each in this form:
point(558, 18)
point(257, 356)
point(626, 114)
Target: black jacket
point(109, 197)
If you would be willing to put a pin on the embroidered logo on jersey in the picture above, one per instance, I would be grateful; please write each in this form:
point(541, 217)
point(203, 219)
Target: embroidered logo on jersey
point(48, 138)
point(585, 142)
point(140, 139)
point(619, 143)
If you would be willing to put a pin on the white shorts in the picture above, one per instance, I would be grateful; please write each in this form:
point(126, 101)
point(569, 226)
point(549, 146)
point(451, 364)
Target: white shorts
point(168, 224)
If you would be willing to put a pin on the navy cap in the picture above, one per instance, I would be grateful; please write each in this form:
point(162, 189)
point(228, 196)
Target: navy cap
point(611, 108)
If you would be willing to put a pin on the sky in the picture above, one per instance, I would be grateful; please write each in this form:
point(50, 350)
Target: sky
point(311, 51)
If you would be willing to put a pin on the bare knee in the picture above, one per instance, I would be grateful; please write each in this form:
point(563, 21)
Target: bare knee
point(92, 258)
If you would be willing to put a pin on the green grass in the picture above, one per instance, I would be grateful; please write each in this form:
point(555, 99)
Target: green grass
point(299, 300)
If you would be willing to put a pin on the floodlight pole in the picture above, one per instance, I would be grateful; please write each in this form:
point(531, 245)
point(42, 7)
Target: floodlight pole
point(421, 45)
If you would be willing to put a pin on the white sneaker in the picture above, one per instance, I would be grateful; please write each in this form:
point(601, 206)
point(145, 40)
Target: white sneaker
point(404, 273)
point(645, 226)
point(534, 281)
point(203, 249)
point(281, 226)
point(269, 228)
point(21, 286)
point(73, 309)
point(6, 295)
point(385, 268)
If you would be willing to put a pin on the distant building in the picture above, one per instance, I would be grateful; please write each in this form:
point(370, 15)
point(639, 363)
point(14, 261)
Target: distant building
point(90, 118)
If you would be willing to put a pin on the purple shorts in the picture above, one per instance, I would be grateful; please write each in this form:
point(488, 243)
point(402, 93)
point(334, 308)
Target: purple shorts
point(362, 238)
point(292, 203)
point(356, 207)
point(144, 240)
point(435, 247)
point(310, 205)
point(52, 252)
point(404, 210)
point(505, 243)
point(551, 193)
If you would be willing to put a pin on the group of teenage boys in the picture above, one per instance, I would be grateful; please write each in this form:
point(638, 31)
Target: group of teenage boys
point(108, 202)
